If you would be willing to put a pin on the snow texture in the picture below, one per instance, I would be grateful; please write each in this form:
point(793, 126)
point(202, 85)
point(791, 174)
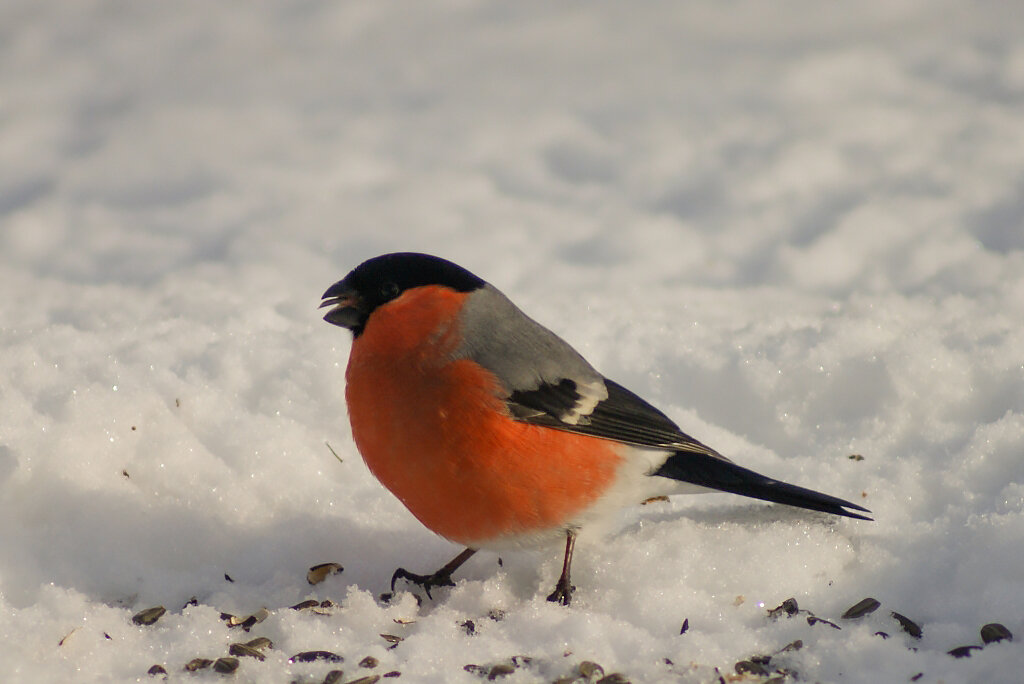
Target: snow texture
point(795, 227)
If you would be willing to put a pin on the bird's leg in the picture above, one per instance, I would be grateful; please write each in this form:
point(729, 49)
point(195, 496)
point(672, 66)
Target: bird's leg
point(441, 578)
point(563, 589)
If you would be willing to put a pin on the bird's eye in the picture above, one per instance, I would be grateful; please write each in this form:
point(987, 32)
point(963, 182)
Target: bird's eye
point(389, 291)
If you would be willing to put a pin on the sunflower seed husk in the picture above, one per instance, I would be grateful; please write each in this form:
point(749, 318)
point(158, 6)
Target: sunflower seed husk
point(861, 608)
point(225, 665)
point(198, 664)
point(313, 656)
point(148, 616)
point(993, 632)
point(908, 625)
point(318, 573)
point(246, 651)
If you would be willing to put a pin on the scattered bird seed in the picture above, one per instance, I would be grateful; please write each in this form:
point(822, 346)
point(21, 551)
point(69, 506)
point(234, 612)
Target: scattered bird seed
point(198, 664)
point(500, 670)
point(814, 619)
point(403, 621)
point(685, 627)
point(148, 616)
point(125, 472)
point(334, 677)
point(468, 626)
point(327, 603)
point(313, 656)
point(308, 603)
point(792, 646)
point(246, 651)
point(156, 670)
point(369, 662)
point(225, 665)
point(855, 457)
point(228, 577)
point(861, 608)
point(994, 632)
point(260, 643)
point(392, 674)
point(750, 667)
point(963, 651)
point(392, 639)
point(588, 669)
point(614, 678)
point(232, 620)
point(370, 679)
point(256, 618)
point(318, 573)
point(787, 607)
point(908, 625)
point(917, 676)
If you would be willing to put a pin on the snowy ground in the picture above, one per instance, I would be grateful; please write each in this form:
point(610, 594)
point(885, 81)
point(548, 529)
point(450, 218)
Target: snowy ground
point(797, 228)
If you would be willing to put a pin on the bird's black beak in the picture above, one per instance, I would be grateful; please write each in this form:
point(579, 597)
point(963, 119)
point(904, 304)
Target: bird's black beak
point(349, 310)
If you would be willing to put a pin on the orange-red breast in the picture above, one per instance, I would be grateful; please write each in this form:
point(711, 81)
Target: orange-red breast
point(493, 431)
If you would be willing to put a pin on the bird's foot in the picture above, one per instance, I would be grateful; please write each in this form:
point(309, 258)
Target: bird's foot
point(438, 579)
point(563, 592)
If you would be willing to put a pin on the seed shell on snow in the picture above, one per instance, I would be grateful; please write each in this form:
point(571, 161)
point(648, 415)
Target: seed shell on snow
point(246, 651)
point(614, 678)
point(994, 632)
point(260, 643)
point(156, 670)
point(334, 677)
point(198, 664)
point(369, 662)
point(318, 573)
point(308, 603)
point(225, 665)
point(254, 619)
point(861, 608)
point(814, 619)
point(588, 669)
point(963, 651)
point(908, 625)
point(788, 608)
point(313, 656)
point(148, 616)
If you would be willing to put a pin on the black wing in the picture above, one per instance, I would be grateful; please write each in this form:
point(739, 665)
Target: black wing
point(623, 417)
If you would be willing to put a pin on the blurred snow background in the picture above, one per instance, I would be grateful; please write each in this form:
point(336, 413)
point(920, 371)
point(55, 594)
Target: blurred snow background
point(797, 228)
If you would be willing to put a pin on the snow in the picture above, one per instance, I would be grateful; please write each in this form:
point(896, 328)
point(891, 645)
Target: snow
point(797, 228)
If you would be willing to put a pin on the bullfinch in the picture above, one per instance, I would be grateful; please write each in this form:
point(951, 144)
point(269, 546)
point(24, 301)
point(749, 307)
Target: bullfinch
point(494, 432)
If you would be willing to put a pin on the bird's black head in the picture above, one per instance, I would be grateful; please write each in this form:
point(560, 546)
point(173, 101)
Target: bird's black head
point(379, 280)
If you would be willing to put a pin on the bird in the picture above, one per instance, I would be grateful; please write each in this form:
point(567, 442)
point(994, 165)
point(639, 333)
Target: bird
point(497, 434)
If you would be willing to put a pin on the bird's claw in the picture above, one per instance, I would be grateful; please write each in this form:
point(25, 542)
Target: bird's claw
point(562, 593)
point(438, 579)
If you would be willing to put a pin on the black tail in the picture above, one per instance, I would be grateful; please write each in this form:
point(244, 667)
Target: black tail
point(716, 473)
